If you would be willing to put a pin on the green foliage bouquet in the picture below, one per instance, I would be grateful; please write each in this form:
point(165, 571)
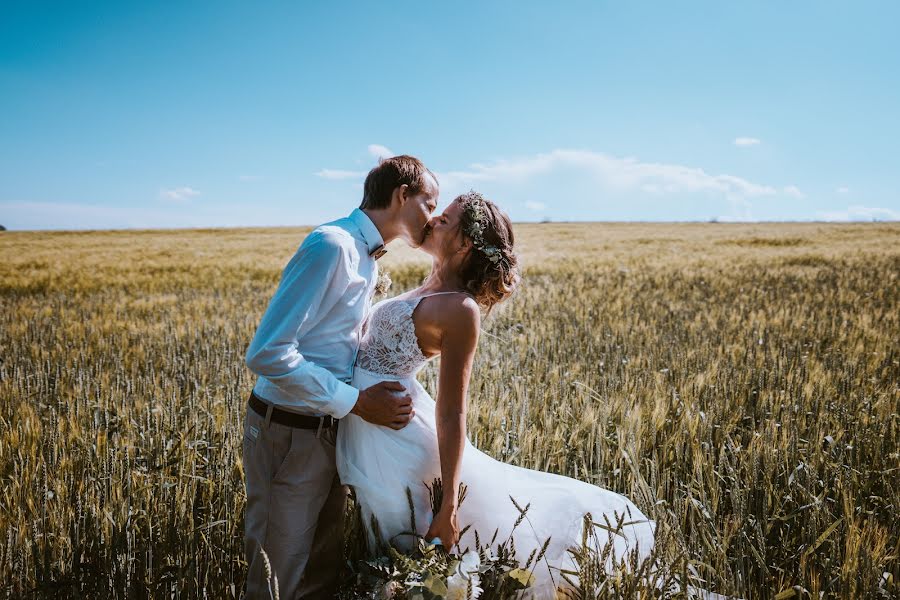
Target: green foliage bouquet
point(431, 572)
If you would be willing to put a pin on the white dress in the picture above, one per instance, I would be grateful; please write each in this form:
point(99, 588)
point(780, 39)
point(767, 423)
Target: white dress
point(380, 463)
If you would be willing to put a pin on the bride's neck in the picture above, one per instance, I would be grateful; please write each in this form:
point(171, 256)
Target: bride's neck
point(443, 277)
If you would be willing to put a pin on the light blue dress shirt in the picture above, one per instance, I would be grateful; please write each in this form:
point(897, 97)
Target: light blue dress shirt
point(307, 341)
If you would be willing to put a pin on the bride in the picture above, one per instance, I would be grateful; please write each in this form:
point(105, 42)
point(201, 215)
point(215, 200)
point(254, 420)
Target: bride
point(474, 268)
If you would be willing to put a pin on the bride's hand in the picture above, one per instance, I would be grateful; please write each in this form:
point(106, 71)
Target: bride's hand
point(444, 526)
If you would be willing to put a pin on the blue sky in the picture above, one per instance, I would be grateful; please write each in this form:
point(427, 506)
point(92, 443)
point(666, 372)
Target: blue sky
point(184, 114)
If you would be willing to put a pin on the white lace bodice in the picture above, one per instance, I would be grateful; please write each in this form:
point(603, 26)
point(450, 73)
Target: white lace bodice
point(389, 345)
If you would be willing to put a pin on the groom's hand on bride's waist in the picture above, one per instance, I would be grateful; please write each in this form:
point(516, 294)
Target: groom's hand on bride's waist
point(385, 404)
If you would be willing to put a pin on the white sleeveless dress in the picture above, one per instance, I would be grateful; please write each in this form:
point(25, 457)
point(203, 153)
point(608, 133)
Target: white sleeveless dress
point(380, 463)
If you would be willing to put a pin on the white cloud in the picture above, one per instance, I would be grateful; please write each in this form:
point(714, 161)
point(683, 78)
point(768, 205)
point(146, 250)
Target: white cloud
point(627, 174)
point(249, 177)
point(341, 174)
point(591, 185)
point(380, 152)
point(861, 213)
point(178, 194)
point(794, 192)
point(843, 190)
point(746, 141)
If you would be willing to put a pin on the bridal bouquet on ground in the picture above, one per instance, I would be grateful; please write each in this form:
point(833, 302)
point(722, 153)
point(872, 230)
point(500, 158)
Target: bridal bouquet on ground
point(429, 573)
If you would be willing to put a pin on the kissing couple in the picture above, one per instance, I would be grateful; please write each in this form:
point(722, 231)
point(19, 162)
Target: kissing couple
point(337, 402)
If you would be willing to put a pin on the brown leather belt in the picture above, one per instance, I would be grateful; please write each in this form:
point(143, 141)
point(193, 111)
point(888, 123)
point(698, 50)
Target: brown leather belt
point(283, 417)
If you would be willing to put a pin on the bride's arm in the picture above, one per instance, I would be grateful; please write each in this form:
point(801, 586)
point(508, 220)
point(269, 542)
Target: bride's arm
point(459, 339)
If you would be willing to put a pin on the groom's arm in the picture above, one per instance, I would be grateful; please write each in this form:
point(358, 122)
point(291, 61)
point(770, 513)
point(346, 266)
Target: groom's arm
point(312, 283)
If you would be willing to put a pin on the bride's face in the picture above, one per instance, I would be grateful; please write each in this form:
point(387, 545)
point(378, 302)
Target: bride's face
point(443, 237)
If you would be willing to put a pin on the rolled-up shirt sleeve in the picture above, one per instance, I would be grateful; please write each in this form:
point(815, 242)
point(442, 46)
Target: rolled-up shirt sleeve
point(312, 283)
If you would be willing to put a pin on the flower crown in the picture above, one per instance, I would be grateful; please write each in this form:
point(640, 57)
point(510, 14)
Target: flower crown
point(476, 212)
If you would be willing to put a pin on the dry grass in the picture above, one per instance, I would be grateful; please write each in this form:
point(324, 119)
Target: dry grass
point(740, 382)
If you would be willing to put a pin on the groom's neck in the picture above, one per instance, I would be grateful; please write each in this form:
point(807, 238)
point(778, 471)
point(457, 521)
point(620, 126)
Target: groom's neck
point(384, 222)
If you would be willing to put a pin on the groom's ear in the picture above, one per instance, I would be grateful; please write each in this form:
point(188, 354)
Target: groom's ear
point(400, 194)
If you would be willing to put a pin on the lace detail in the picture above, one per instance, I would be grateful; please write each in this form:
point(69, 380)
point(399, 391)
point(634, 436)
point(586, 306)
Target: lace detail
point(389, 345)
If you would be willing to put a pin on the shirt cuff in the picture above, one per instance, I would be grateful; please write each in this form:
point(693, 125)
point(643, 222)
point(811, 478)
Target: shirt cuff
point(343, 402)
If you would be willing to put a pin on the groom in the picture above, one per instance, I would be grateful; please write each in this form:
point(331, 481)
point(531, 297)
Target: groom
point(303, 353)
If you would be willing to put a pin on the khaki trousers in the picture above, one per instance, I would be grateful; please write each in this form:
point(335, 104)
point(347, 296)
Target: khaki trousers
point(295, 509)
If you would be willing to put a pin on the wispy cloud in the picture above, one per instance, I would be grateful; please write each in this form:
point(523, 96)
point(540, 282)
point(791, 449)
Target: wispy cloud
point(747, 141)
point(593, 185)
point(340, 174)
point(247, 178)
point(861, 213)
point(178, 194)
point(380, 152)
point(376, 150)
point(843, 190)
point(621, 173)
point(794, 192)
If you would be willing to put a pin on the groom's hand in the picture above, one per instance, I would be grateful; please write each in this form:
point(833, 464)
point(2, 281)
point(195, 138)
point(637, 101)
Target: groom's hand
point(380, 404)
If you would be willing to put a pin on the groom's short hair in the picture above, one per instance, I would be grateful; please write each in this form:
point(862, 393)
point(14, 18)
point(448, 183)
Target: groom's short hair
point(390, 174)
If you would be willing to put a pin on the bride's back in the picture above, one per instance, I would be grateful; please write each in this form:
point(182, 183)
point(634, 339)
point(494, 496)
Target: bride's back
point(403, 333)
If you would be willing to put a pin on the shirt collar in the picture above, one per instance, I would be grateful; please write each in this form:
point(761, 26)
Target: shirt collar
point(367, 228)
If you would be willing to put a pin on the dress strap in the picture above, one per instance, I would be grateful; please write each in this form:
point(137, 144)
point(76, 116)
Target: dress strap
point(439, 293)
point(417, 299)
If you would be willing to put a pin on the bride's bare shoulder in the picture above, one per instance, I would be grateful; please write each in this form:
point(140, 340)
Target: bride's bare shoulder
point(456, 312)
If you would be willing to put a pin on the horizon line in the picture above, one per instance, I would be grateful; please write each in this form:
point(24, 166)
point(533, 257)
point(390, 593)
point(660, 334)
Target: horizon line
point(713, 221)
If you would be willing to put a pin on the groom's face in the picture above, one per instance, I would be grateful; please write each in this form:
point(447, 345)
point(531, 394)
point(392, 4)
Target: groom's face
point(417, 211)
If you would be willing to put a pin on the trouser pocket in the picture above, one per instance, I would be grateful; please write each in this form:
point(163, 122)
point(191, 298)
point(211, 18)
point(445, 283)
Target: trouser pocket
point(252, 429)
point(266, 449)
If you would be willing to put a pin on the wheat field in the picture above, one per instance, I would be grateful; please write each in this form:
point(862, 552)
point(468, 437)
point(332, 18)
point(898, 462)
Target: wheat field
point(740, 382)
